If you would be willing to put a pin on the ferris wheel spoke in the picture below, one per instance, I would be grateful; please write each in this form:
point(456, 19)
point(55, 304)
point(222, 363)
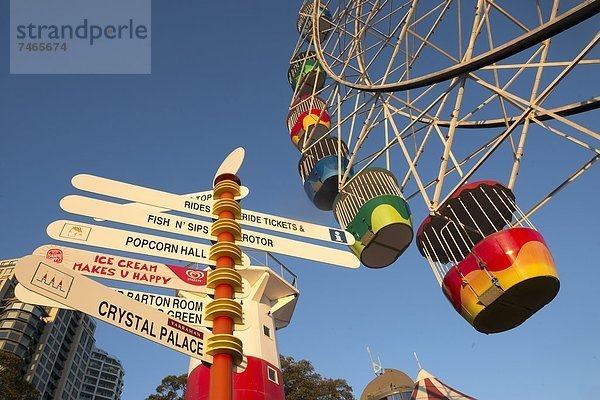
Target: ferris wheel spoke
point(341, 45)
point(346, 64)
point(535, 65)
point(401, 37)
point(533, 105)
point(353, 123)
point(488, 26)
point(464, 120)
point(425, 41)
point(466, 159)
point(399, 134)
point(409, 106)
point(418, 154)
point(411, 164)
point(477, 25)
point(384, 39)
point(374, 156)
point(370, 26)
point(359, 141)
point(342, 49)
point(551, 86)
point(448, 144)
point(508, 15)
point(450, 153)
point(524, 104)
point(560, 187)
point(489, 152)
point(365, 68)
point(354, 52)
point(563, 111)
point(432, 122)
point(369, 29)
point(518, 101)
point(459, 28)
point(536, 84)
point(565, 136)
point(358, 109)
point(385, 42)
point(359, 30)
point(392, 95)
point(445, 4)
point(392, 13)
point(405, 23)
point(339, 37)
point(568, 122)
point(441, 98)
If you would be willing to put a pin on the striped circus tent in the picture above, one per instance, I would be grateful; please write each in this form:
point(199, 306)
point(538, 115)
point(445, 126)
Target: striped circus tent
point(428, 387)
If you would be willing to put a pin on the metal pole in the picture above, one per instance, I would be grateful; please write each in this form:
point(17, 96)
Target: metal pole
point(224, 311)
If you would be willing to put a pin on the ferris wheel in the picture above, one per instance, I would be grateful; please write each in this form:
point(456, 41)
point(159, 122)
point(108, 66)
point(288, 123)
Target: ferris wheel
point(396, 101)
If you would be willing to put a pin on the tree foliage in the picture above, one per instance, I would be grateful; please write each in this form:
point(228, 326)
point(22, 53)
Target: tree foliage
point(302, 382)
point(12, 384)
point(171, 388)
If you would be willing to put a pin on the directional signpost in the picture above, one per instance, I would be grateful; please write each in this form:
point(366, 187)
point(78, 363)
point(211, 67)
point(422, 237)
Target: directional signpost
point(133, 242)
point(145, 218)
point(127, 191)
point(185, 310)
point(54, 275)
point(62, 285)
point(126, 269)
point(29, 297)
point(204, 196)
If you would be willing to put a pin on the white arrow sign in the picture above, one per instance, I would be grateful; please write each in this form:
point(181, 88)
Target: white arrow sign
point(200, 229)
point(126, 269)
point(204, 196)
point(117, 239)
point(185, 310)
point(232, 163)
point(140, 194)
point(29, 297)
point(67, 287)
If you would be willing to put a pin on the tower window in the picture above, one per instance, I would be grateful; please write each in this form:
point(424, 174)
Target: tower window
point(272, 373)
point(267, 331)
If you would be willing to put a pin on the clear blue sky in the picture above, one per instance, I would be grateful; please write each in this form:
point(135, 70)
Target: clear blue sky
point(219, 81)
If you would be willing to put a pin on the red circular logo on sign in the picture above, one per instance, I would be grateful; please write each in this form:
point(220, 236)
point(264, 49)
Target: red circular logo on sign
point(55, 255)
point(194, 275)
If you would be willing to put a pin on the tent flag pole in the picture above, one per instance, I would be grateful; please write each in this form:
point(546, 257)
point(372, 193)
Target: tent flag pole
point(417, 359)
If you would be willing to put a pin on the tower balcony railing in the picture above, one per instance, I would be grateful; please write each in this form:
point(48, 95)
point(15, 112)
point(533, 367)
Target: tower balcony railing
point(266, 259)
point(260, 258)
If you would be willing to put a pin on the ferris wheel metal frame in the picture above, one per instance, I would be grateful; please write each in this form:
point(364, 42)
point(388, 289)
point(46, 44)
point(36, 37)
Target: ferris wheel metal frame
point(361, 88)
point(377, 103)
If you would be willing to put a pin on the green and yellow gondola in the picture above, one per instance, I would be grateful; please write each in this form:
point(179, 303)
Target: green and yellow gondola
point(305, 74)
point(372, 208)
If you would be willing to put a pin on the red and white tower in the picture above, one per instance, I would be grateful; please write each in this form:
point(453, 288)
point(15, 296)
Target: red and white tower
point(268, 302)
